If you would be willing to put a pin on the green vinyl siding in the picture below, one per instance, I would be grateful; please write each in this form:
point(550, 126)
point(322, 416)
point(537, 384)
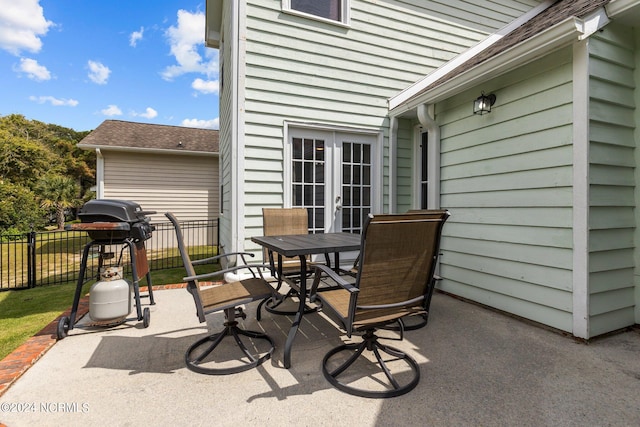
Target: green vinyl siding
point(227, 116)
point(404, 162)
point(507, 178)
point(303, 70)
point(612, 184)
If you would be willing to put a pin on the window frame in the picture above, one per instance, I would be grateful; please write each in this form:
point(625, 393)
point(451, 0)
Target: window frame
point(345, 13)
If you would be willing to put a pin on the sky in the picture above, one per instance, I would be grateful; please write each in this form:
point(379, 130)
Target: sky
point(76, 63)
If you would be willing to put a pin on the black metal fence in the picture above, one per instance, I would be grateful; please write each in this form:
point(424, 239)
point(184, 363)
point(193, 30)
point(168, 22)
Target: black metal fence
point(47, 258)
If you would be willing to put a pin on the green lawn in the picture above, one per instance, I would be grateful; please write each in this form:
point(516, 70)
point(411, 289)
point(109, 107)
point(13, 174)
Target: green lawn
point(24, 313)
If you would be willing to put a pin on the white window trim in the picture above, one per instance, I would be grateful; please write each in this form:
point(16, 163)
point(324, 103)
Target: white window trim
point(346, 13)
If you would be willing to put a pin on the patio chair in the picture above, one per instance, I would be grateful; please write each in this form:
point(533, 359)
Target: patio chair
point(227, 298)
point(279, 222)
point(395, 278)
point(418, 321)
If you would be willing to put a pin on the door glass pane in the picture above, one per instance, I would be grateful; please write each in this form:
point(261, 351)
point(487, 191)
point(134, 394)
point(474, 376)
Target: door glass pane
point(356, 196)
point(424, 178)
point(308, 179)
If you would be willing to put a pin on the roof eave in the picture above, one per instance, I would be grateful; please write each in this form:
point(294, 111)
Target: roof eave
point(213, 23)
point(146, 150)
point(556, 37)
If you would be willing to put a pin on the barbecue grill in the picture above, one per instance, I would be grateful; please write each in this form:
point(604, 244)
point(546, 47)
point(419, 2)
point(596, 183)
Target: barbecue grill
point(113, 222)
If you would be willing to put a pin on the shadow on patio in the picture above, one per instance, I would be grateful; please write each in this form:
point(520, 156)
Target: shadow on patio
point(478, 367)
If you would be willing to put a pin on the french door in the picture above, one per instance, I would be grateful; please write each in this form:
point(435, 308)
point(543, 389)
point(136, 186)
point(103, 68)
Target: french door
point(332, 174)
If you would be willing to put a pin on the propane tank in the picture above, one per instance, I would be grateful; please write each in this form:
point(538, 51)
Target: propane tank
point(110, 297)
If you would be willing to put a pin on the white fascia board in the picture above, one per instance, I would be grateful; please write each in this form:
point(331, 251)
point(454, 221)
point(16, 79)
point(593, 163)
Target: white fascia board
point(105, 148)
point(560, 35)
point(440, 72)
point(618, 7)
point(213, 23)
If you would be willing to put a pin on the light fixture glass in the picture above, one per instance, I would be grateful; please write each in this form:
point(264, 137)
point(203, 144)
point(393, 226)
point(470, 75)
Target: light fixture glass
point(483, 103)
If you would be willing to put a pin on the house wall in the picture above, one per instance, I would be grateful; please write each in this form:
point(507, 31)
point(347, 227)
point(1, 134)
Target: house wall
point(305, 70)
point(612, 182)
point(507, 179)
point(228, 116)
point(405, 165)
point(637, 173)
point(183, 184)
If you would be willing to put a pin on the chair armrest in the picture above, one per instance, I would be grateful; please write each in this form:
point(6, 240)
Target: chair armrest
point(332, 275)
point(217, 257)
point(226, 270)
point(393, 305)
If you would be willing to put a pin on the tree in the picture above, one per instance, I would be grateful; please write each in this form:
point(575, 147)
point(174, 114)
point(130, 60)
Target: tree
point(19, 210)
point(22, 161)
point(30, 149)
point(58, 192)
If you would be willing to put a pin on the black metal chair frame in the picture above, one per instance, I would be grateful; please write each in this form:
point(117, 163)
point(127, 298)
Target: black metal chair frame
point(258, 290)
point(416, 306)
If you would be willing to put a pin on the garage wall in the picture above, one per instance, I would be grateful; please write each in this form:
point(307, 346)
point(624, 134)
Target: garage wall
point(185, 185)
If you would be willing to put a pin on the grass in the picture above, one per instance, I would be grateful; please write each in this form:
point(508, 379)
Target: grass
point(24, 313)
point(52, 253)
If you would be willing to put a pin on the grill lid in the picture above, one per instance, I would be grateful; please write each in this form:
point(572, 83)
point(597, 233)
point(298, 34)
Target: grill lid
point(111, 210)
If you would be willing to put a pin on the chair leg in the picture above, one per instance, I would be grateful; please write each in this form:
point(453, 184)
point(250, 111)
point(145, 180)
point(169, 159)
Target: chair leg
point(212, 341)
point(273, 307)
point(370, 343)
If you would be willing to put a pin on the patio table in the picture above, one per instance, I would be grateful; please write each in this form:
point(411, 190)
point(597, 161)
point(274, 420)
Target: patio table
point(301, 245)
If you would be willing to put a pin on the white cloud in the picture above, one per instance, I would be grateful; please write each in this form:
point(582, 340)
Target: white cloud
point(21, 25)
point(149, 113)
point(98, 73)
point(112, 110)
point(206, 86)
point(185, 40)
point(56, 102)
point(198, 123)
point(135, 36)
point(33, 70)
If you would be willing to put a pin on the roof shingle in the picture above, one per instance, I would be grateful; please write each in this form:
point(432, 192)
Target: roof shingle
point(554, 14)
point(122, 134)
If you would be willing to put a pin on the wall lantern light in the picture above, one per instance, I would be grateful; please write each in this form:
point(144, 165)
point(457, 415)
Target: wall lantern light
point(483, 104)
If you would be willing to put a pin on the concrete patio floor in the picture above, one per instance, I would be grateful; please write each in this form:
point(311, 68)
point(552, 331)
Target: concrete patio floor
point(478, 367)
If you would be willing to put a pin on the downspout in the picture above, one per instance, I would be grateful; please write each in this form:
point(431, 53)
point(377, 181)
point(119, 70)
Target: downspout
point(393, 163)
point(433, 165)
point(99, 174)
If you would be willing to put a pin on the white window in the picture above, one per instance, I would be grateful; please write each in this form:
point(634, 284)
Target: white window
point(331, 10)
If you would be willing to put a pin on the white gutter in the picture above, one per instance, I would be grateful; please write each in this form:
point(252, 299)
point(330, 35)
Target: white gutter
point(147, 150)
point(433, 155)
point(591, 23)
point(560, 35)
point(440, 72)
point(99, 174)
point(617, 7)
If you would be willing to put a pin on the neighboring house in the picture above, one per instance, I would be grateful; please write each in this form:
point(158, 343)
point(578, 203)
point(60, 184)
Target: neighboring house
point(163, 168)
point(346, 107)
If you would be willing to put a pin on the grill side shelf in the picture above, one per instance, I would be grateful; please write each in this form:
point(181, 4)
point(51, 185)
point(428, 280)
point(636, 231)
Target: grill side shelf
point(93, 226)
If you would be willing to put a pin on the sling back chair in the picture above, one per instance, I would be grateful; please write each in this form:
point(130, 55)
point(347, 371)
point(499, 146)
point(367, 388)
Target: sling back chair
point(228, 298)
point(280, 222)
point(395, 278)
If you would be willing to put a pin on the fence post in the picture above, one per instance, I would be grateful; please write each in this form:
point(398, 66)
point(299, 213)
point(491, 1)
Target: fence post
point(31, 259)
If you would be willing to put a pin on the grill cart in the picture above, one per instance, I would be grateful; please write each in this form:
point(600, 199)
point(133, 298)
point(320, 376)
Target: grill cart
point(110, 223)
